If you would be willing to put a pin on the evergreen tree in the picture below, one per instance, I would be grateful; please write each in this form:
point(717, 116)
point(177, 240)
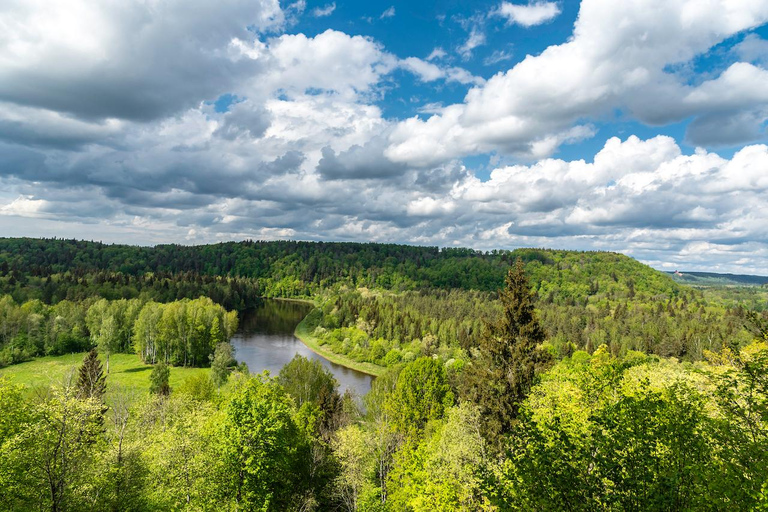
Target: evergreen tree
point(91, 381)
point(159, 379)
point(507, 358)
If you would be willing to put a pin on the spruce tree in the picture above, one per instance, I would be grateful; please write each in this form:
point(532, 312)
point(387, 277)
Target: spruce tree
point(91, 381)
point(507, 358)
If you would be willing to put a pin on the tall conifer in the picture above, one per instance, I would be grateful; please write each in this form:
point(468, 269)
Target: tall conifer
point(507, 358)
point(91, 381)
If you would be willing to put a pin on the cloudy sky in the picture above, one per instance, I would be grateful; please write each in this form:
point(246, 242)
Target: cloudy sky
point(636, 126)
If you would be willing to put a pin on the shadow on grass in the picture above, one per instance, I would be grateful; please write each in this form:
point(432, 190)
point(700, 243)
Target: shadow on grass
point(134, 370)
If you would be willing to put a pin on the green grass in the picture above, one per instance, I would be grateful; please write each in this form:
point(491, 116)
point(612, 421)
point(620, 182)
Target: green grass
point(304, 333)
point(127, 372)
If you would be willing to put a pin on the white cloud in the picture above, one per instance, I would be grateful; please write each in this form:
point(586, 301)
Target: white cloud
point(498, 56)
point(24, 207)
point(618, 58)
point(389, 13)
point(331, 61)
point(298, 7)
point(437, 54)
point(429, 72)
point(753, 49)
point(326, 10)
point(529, 15)
point(476, 38)
point(645, 198)
point(106, 122)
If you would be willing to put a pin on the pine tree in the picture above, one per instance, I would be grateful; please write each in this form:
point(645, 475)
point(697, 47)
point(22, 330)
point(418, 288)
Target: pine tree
point(91, 381)
point(507, 358)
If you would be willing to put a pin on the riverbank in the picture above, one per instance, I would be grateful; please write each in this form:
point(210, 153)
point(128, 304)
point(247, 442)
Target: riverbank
point(311, 302)
point(304, 333)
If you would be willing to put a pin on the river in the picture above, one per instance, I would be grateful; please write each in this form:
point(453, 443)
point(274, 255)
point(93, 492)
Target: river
point(265, 341)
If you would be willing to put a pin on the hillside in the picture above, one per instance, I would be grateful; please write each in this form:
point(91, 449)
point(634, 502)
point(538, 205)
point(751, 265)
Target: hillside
point(287, 268)
point(715, 279)
point(386, 303)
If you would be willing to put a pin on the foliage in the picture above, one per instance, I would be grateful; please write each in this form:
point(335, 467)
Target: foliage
point(616, 424)
point(159, 379)
point(48, 461)
point(261, 446)
point(445, 472)
point(421, 394)
point(183, 332)
point(508, 358)
point(91, 381)
point(306, 381)
point(222, 360)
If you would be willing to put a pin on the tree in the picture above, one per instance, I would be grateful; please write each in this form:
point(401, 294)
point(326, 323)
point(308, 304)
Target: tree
point(53, 453)
point(15, 414)
point(260, 447)
point(221, 360)
point(308, 382)
point(421, 394)
point(183, 456)
point(507, 359)
point(445, 471)
point(352, 448)
point(146, 331)
point(159, 379)
point(107, 339)
point(741, 393)
point(91, 381)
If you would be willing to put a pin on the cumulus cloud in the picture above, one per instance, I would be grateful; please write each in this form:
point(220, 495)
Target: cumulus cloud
point(330, 61)
point(753, 49)
point(124, 60)
point(617, 59)
point(427, 71)
point(529, 15)
point(646, 198)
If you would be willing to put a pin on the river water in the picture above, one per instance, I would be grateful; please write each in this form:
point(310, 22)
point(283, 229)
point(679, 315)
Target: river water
point(265, 341)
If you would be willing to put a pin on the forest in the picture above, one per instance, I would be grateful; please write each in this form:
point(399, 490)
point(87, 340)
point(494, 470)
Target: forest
point(524, 380)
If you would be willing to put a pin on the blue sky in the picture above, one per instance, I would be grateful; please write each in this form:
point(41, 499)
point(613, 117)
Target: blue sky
point(635, 126)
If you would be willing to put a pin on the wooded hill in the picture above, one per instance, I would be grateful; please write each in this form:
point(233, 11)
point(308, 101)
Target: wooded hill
point(385, 303)
point(303, 268)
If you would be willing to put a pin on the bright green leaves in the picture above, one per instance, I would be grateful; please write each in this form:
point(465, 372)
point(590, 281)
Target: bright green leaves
point(421, 394)
point(260, 445)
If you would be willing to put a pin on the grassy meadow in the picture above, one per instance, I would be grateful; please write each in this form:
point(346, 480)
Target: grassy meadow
point(127, 372)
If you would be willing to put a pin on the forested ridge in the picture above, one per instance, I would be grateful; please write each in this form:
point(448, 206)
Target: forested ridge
point(384, 303)
point(286, 268)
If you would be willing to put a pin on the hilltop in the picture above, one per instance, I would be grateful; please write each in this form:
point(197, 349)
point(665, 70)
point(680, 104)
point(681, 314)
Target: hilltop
point(291, 268)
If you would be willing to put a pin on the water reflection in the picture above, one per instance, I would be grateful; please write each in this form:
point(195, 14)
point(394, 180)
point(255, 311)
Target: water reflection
point(265, 341)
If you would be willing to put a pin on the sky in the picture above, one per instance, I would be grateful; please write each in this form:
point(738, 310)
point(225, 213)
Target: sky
point(636, 126)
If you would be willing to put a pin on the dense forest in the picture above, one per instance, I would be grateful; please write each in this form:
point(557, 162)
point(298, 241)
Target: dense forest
point(390, 303)
point(286, 269)
point(510, 380)
point(514, 428)
point(183, 332)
